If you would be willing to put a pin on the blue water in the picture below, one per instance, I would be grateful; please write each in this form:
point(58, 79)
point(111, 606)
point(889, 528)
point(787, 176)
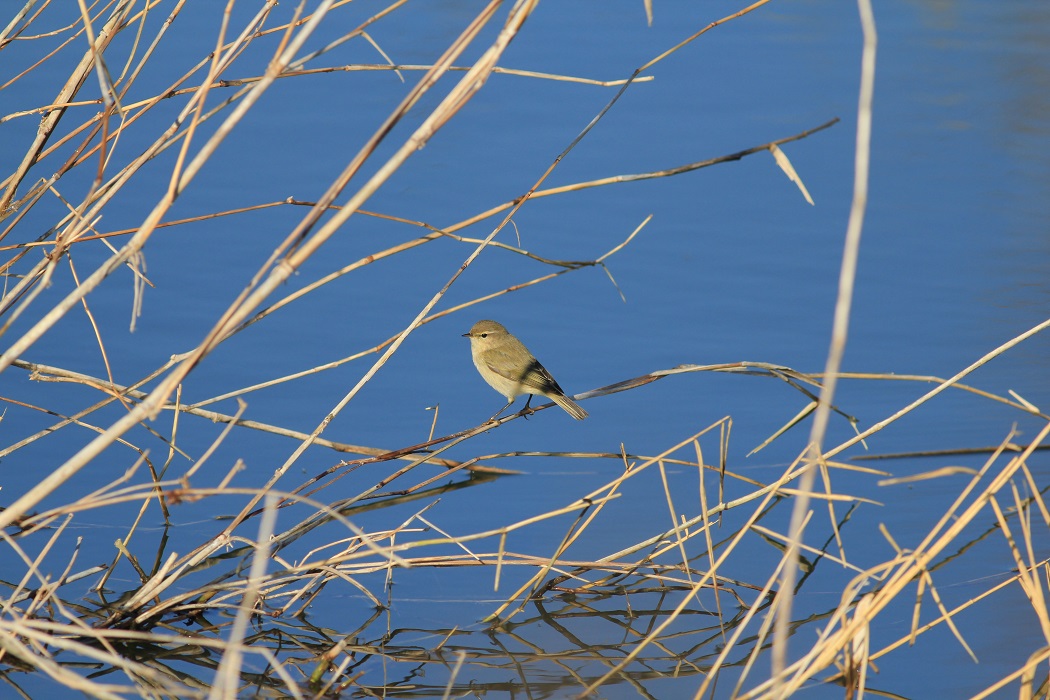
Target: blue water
point(734, 265)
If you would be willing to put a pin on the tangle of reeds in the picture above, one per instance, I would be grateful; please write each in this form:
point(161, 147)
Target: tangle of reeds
point(236, 610)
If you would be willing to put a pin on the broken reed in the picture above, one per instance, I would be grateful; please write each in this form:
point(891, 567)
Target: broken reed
point(191, 607)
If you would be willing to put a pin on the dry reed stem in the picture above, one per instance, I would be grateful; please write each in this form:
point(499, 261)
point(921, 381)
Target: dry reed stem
point(569, 266)
point(149, 405)
point(674, 531)
point(70, 88)
point(449, 311)
point(985, 359)
point(159, 598)
point(451, 104)
point(765, 628)
point(417, 544)
point(44, 370)
point(769, 494)
point(435, 121)
point(1026, 674)
point(931, 379)
point(562, 189)
point(899, 573)
point(532, 585)
point(840, 329)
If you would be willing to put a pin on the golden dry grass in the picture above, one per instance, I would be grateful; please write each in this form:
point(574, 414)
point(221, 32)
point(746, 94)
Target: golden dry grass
point(227, 614)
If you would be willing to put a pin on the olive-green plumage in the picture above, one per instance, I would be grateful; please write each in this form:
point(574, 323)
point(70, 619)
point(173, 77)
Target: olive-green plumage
point(511, 369)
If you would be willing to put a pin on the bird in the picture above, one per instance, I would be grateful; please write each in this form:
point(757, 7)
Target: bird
point(509, 368)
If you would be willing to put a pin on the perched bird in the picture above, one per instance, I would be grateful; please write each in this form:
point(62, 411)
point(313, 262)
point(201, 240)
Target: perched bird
point(511, 369)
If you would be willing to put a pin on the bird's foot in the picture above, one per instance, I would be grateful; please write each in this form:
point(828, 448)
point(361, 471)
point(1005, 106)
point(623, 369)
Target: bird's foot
point(525, 412)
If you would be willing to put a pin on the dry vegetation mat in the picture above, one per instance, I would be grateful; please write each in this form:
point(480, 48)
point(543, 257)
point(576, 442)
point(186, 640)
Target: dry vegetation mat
point(288, 593)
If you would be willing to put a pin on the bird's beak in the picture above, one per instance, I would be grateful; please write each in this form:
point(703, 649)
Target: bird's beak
point(466, 335)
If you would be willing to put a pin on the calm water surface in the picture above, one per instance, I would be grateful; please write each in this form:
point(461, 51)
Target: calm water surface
point(734, 265)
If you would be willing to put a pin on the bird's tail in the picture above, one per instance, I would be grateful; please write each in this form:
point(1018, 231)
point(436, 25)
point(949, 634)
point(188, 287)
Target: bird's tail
point(571, 407)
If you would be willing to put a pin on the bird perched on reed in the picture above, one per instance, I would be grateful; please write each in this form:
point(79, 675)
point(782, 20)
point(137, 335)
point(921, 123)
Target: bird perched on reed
point(509, 368)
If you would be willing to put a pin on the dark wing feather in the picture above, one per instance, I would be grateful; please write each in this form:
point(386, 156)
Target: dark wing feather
point(535, 376)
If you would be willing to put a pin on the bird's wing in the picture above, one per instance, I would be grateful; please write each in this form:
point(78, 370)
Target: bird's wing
point(535, 376)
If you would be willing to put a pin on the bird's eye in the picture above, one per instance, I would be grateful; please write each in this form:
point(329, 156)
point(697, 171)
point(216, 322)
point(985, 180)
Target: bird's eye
point(484, 335)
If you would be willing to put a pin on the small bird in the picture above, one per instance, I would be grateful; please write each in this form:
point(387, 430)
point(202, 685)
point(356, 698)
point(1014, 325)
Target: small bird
point(511, 369)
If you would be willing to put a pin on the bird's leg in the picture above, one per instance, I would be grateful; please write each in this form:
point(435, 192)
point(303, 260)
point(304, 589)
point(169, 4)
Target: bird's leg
point(496, 414)
point(525, 412)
